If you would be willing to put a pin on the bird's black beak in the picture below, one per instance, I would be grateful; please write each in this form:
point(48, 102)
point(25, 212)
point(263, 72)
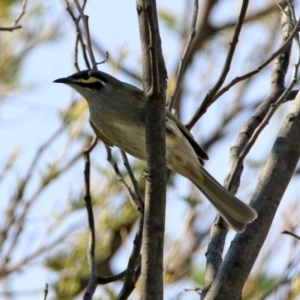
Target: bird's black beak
point(65, 80)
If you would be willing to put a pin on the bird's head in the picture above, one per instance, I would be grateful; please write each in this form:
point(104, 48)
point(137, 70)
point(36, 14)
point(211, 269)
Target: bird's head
point(91, 83)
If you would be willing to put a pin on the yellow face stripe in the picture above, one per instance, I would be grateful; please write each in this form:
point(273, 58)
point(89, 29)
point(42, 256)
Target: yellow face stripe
point(90, 80)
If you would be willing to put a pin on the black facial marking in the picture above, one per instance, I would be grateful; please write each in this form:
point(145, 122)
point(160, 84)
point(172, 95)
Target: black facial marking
point(82, 74)
point(98, 75)
point(86, 75)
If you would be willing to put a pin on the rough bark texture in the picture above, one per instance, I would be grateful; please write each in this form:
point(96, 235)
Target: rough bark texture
point(154, 78)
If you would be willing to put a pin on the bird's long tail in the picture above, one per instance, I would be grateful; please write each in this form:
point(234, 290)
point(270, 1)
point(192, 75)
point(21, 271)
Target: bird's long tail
point(235, 212)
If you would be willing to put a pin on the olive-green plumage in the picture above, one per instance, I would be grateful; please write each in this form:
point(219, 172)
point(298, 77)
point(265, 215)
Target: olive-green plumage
point(117, 116)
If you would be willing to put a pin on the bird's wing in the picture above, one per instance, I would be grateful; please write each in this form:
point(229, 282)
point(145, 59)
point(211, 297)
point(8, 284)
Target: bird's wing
point(138, 93)
point(202, 155)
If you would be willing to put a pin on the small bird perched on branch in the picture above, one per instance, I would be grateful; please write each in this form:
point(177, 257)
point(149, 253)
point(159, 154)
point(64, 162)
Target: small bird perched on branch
point(117, 116)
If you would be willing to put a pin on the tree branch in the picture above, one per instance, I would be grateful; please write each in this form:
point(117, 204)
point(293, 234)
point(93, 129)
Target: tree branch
point(92, 285)
point(154, 76)
point(134, 260)
point(19, 17)
point(183, 60)
point(266, 198)
point(219, 229)
point(209, 99)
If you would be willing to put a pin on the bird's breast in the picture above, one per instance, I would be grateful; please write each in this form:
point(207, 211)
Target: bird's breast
point(128, 136)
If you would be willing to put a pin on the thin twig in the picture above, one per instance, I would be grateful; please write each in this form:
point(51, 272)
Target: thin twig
point(291, 233)
point(267, 117)
point(116, 62)
point(138, 195)
point(201, 110)
point(78, 38)
point(230, 53)
point(107, 279)
point(45, 291)
point(134, 260)
point(210, 97)
point(136, 203)
point(92, 285)
point(263, 65)
point(104, 60)
point(11, 28)
point(19, 17)
point(76, 51)
point(19, 219)
point(196, 289)
point(22, 12)
point(22, 185)
point(69, 10)
point(184, 56)
point(6, 271)
point(85, 19)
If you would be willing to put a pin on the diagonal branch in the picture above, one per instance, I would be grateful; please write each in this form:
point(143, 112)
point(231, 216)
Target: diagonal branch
point(134, 260)
point(218, 232)
point(184, 57)
point(17, 20)
point(209, 99)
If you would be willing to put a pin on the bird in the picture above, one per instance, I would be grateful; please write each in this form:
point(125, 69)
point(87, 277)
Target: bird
point(117, 116)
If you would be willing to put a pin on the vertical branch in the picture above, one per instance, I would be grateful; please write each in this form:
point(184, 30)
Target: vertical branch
point(93, 282)
point(45, 291)
point(154, 76)
point(85, 19)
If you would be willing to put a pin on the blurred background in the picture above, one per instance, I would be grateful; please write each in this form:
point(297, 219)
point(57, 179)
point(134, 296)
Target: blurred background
point(44, 129)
